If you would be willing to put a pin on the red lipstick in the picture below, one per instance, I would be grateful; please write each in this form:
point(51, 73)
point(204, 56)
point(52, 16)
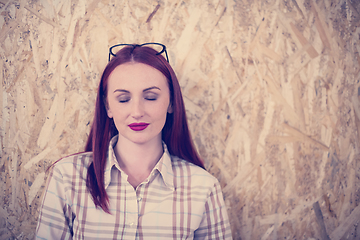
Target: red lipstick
point(138, 126)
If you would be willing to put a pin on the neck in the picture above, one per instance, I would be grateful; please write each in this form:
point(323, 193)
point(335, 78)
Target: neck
point(138, 160)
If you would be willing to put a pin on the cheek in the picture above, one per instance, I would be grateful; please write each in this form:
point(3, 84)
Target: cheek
point(161, 110)
point(114, 110)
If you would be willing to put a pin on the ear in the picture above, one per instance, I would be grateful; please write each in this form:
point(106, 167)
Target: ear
point(170, 108)
point(108, 111)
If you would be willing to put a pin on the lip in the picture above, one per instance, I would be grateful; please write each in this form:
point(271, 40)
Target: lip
point(138, 126)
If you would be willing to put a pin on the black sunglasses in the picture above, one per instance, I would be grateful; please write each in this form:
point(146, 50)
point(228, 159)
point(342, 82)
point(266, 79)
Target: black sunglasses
point(111, 53)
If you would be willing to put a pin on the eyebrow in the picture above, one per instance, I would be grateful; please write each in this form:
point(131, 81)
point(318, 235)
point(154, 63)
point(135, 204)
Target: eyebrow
point(150, 88)
point(145, 90)
point(121, 90)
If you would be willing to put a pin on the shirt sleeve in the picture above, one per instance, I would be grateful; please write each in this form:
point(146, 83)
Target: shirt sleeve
point(215, 222)
point(55, 218)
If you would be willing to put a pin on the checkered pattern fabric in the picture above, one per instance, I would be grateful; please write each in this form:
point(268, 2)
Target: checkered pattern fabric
point(177, 201)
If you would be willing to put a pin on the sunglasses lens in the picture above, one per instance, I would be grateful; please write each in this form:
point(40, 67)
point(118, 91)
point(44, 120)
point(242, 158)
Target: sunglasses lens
point(160, 48)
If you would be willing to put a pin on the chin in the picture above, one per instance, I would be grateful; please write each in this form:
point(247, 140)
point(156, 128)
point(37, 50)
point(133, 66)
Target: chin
point(138, 139)
point(145, 140)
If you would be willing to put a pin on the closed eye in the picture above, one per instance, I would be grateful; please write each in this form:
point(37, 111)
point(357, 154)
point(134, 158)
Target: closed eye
point(151, 99)
point(122, 95)
point(123, 99)
point(151, 96)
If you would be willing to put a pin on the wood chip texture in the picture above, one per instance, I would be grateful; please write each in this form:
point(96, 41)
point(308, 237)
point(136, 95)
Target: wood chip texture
point(271, 89)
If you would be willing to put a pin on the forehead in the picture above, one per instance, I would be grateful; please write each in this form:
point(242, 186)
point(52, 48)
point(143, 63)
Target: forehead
point(136, 75)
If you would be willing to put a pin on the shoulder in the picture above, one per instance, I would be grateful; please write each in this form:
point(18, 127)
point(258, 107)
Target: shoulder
point(187, 170)
point(74, 164)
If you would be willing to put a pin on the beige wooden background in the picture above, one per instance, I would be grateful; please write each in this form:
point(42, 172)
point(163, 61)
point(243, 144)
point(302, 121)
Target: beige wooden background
point(271, 89)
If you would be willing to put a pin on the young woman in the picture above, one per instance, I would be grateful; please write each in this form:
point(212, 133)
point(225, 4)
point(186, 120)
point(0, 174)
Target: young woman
point(140, 177)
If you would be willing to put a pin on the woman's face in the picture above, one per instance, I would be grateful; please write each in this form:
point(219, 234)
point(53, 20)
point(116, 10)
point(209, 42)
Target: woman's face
point(138, 100)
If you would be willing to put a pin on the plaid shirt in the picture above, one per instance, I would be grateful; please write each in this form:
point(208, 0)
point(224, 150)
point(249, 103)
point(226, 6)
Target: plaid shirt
point(177, 201)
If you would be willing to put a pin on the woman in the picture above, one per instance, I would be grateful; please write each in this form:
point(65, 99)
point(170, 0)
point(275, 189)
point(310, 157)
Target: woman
point(140, 177)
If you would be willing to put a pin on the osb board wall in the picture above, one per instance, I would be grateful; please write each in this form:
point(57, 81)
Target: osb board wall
point(271, 90)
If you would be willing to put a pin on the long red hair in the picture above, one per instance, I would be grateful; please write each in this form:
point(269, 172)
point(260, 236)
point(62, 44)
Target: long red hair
point(175, 133)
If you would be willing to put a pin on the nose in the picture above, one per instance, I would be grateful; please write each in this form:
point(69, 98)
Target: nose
point(137, 110)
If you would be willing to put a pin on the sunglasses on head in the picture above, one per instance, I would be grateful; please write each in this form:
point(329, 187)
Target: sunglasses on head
point(160, 48)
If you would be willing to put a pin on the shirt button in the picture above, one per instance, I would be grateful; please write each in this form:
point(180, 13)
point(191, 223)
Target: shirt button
point(132, 224)
point(139, 199)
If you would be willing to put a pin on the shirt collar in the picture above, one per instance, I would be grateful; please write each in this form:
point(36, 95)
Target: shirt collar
point(164, 165)
point(110, 161)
